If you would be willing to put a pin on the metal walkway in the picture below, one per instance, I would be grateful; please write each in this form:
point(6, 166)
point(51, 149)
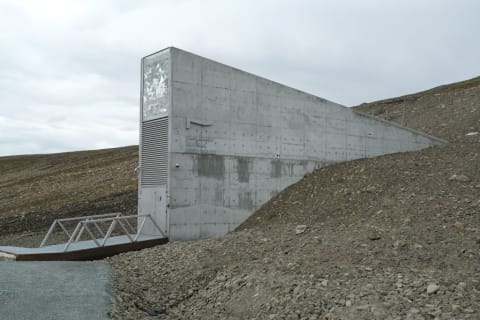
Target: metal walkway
point(106, 235)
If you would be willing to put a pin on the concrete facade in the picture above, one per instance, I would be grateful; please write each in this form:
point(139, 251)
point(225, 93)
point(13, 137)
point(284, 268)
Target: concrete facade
point(236, 140)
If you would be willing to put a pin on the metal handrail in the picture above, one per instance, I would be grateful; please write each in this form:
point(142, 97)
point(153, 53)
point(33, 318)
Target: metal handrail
point(114, 219)
point(59, 222)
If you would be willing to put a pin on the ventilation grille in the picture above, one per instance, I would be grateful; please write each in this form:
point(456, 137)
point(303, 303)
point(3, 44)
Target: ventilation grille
point(154, 152)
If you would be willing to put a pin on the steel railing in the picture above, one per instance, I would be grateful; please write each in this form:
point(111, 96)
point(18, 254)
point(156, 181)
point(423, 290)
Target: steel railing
point(84, 225)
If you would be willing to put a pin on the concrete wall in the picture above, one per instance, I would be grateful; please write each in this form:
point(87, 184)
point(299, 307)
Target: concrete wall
point(238, 139)
point(155, 105)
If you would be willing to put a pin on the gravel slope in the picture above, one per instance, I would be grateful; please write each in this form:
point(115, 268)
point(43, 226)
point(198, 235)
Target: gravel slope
point(392, 237)
point(36, 189)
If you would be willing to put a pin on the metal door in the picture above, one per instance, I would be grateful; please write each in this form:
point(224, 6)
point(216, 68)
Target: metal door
point(153, 201)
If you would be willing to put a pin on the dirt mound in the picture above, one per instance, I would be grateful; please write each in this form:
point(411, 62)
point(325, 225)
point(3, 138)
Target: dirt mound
point(391, 237)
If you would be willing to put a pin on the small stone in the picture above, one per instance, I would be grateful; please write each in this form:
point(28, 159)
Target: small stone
point(377, 312)
point(156, 312)
point(399, 244)
point(300, 229)
point(460, 177)
point(363, 307)
point(434, 312)
point(432, 288)
point(414, 311)
point(348, 303)
point(369, 286)
point(374, 235)
point(472, 134)
point(459, 225)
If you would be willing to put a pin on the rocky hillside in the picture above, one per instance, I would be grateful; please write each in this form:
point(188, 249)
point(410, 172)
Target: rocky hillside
point(391, 237)
point(448, 111)
point(36, 189)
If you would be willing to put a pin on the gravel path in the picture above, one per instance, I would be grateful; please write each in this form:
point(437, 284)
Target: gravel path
point(54, 290)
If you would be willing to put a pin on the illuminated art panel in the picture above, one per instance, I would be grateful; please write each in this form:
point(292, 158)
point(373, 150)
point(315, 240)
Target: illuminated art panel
point(156, 69)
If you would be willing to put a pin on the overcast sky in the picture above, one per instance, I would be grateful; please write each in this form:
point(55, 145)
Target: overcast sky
point(69, 70)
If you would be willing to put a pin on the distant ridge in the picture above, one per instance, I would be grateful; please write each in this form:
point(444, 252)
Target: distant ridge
point(454, 86)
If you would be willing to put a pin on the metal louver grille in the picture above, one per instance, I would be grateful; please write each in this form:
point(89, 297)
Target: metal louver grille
point(154, 152)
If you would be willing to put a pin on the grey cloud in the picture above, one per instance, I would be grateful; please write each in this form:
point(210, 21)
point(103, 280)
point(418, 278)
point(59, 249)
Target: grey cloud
point(74, 76)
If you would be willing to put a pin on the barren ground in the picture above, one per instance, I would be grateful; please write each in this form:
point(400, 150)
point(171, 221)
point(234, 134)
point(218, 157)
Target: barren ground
point(391, 237)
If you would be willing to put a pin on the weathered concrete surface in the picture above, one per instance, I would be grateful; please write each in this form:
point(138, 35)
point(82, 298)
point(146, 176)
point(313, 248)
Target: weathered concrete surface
point(54, 290)
point(236, 139)
point(154, 139)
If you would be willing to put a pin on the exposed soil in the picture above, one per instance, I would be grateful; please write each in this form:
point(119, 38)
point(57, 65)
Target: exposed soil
point(36, 189)
point(391, 237)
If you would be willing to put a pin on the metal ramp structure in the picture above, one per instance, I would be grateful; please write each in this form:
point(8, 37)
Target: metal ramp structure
point(93, 237)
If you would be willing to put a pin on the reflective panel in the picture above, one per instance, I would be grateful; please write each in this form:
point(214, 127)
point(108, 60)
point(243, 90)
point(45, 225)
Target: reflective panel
point(155, 86)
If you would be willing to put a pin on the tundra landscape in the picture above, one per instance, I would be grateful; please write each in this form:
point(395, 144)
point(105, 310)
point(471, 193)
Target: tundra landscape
point(390, 237)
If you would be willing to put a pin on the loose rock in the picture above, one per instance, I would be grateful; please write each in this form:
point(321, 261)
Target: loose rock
point(432, 288)
point(460, 177)
point(300, 229)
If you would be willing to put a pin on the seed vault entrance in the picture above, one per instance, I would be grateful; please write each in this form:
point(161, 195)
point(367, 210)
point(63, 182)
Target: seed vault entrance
point(154, 141)
point(217, 143)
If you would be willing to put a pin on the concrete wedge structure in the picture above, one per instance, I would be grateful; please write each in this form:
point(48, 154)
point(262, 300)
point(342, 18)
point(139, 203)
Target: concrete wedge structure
point(217, 143)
